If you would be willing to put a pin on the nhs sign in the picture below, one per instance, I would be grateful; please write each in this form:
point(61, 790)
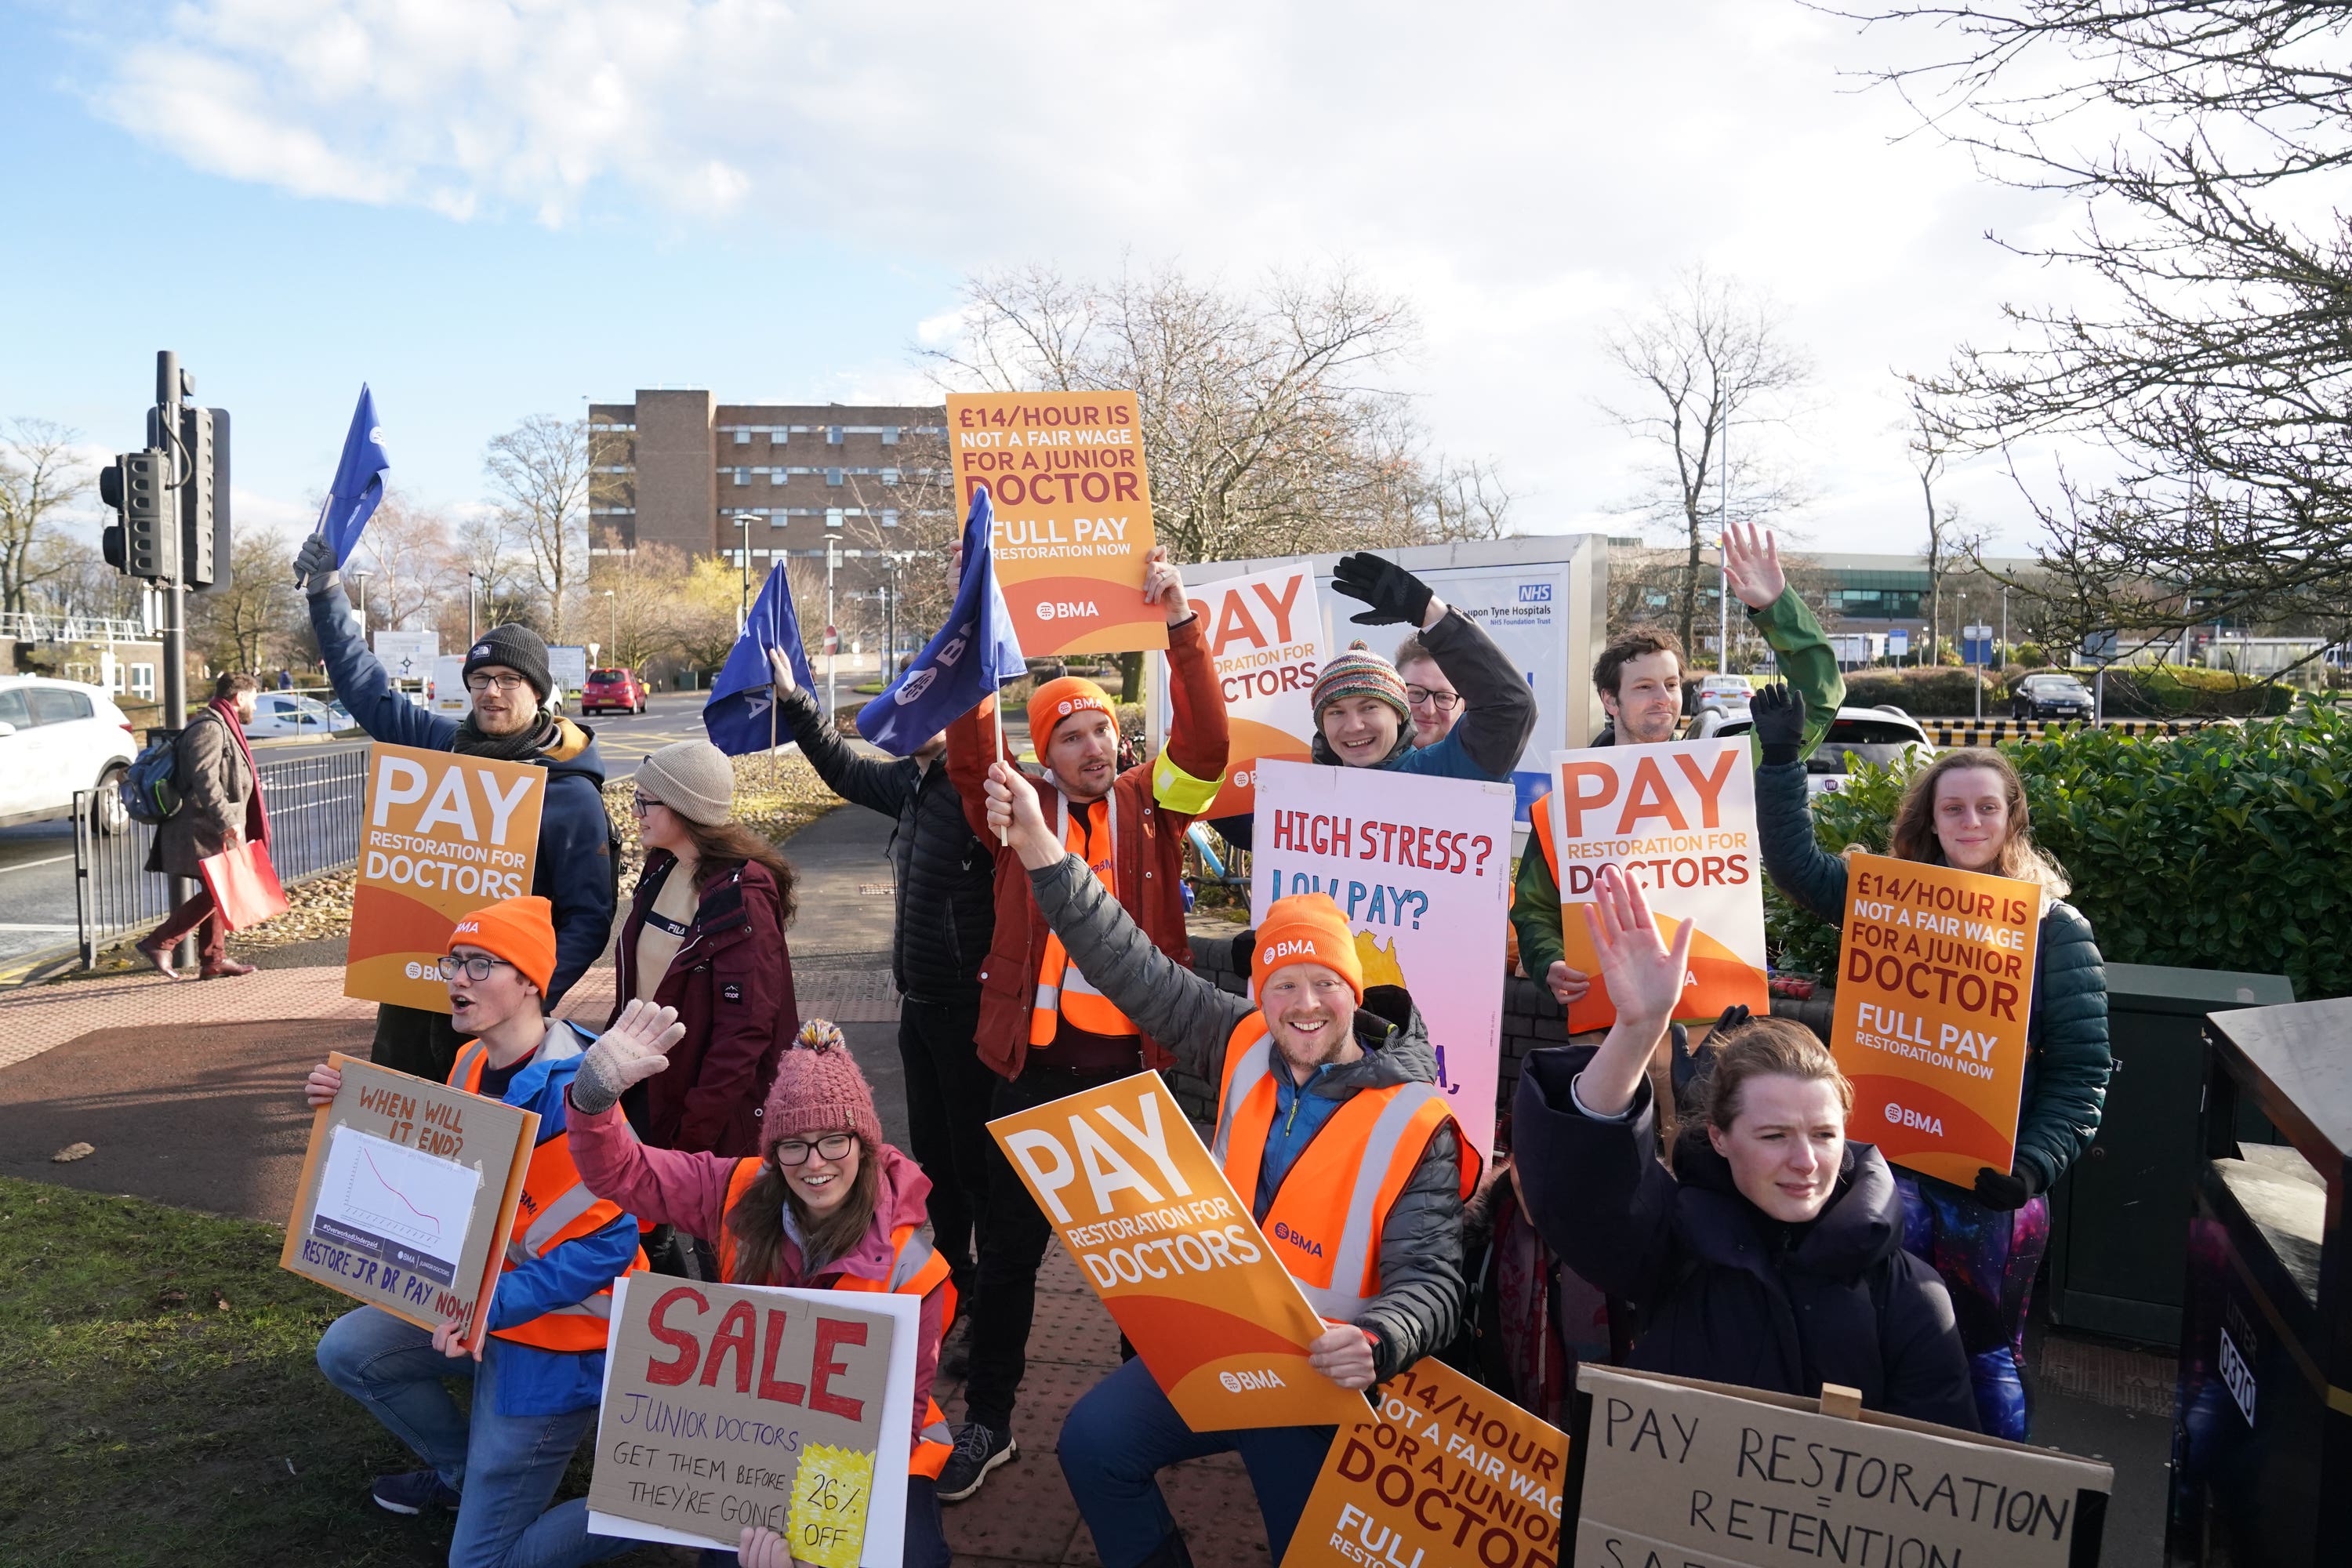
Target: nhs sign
point(1534, 593)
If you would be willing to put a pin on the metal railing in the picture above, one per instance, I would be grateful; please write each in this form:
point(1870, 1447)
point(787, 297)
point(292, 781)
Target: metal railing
point(314, 806)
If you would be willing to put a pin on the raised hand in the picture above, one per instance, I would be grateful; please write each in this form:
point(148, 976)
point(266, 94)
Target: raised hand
point(1779, 712)
point(1015, 814)
point(314, 565)
point(1645, 976)
point(1751, 560)
point(1396, 595)
point(1164, 585)
point(779, 671)
point(634, 1048)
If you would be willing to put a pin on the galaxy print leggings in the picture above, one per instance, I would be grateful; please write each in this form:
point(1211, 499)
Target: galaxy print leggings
point(1987, 1259)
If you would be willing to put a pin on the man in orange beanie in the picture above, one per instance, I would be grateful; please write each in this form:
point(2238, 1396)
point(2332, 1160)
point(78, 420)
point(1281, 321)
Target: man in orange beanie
point(1329, 1123)
point(540, 1370)
point(1046, 1028)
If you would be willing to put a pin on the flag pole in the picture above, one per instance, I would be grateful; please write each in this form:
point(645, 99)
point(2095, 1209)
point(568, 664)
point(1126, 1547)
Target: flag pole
point(1003, 835)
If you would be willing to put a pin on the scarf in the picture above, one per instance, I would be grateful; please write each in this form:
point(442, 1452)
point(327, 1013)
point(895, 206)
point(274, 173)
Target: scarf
point(522, 746)
point(257, 816)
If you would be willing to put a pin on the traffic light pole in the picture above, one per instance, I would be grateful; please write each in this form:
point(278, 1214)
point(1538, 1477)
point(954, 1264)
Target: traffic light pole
point(175, 612)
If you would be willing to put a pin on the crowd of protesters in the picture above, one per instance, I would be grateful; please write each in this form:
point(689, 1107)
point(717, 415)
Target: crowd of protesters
point(1686, 1200)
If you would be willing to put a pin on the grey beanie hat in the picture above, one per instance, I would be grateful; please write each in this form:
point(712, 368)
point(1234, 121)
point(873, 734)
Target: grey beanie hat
point(693, 778)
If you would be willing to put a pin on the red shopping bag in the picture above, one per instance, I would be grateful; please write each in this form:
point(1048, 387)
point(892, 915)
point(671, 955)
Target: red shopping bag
point(244, 885)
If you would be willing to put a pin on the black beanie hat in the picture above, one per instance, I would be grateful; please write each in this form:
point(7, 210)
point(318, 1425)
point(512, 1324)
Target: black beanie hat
point(520, 648)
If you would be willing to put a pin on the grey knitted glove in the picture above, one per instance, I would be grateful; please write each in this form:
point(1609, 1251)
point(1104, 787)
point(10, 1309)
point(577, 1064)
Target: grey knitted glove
point(632, 1050)
point(314, 566)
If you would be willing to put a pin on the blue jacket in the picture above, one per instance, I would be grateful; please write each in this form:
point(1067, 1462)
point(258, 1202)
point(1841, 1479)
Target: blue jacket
point(574, 869)
point(531, 1381)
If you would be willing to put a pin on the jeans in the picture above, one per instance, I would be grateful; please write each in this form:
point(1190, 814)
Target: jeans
point(925, 1544)
point(948, 1093)
point(506, 1467)
point(211, 942)
point(1123, 1430)
point(1013, 1242)
point(1986, 1257)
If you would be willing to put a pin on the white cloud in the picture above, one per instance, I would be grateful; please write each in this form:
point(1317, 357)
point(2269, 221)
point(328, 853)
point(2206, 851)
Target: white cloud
point(1520, 171)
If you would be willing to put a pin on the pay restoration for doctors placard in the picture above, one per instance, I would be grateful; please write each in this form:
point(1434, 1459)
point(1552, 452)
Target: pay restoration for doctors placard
point(440, 834)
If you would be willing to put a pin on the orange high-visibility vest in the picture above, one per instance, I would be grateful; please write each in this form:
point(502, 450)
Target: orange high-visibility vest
point(1062, 991)
point(1540, 818)
point(916, 1270)
point(556, 1208)
point(1327, 1214)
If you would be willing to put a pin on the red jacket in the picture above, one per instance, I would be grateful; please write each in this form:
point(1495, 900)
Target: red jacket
point(1150, 848)
point(731, 984)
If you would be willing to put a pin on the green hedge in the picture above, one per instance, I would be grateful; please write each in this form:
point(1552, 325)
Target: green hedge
point(1930, 692)
point(2173, 691)
point(2223, 848)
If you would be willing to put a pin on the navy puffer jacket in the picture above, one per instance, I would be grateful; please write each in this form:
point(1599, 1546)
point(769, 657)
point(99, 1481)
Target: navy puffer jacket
point(1723, 1292)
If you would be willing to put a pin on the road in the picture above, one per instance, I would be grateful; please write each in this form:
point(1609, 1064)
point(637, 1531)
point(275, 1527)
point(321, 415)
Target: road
point(36, 871)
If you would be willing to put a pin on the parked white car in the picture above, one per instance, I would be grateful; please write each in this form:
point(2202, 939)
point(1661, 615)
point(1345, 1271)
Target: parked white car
point(1876, 735)
point(291, 713)
point(56, 737)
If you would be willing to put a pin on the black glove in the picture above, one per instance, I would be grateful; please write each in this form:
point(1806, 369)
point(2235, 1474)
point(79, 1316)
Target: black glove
point(2014, 1191)
point(314, 565)
point(1779, 716)
point(1395, 594)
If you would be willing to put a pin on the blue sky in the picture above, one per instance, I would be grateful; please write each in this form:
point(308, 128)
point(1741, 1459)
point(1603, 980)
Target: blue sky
point(491, 208)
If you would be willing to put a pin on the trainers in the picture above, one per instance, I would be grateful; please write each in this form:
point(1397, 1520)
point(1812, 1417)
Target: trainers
point(978, 1450)
point(412, 1492)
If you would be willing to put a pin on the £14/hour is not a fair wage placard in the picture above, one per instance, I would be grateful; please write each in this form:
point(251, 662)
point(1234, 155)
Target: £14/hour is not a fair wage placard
point(407, 1195)
point(442, 834)
point(1935, 993)
point(1065, 475)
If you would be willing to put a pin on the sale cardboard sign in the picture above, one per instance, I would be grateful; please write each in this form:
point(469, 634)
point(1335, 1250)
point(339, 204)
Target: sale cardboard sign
point(1679, 819)
point(1265, 638)
point(1173, 1253)
point(441, 834)
point(408, 1193)
point(1444, 1474)
point(1421, 866)
point(1935, 990)
point(1670, 1470)
point(1065, 478)
point(734, 1405)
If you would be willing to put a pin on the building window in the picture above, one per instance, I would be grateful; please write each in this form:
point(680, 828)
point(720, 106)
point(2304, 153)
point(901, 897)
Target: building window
point(742, 437)
point(143, 679)
point(833, 475)
point(889, 476)
point(833, 434)
point(775, 478)
point(890, 517)
point(832, 516)
point(776, 437)
point(742, 476)
point(889, 435)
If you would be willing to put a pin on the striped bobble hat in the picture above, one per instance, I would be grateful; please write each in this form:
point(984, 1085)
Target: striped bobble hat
point(1360, 672)
point(819, 1089)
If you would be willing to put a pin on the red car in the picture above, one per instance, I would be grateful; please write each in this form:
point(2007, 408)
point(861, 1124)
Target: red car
point(613, 689)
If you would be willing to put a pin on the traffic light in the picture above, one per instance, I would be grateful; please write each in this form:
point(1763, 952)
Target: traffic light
point(146, 543)
point(204, 498)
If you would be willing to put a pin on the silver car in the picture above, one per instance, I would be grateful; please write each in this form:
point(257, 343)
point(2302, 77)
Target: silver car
point(1874, 735)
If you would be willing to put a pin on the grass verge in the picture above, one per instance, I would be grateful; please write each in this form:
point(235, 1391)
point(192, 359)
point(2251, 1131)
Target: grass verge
point(163, 1405)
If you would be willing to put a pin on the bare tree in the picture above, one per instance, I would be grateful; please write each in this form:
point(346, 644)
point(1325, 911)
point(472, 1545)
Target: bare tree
point(496, 572)
point(540, 472)
point(40, 476)
point(921, 532)
point(241, 625)
point(1705, 353)
point(410, 558)
point(84, 583)
point(1930, 440)
point(2211, 368)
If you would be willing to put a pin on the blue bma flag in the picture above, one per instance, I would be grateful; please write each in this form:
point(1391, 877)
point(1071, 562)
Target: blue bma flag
point(359, 480)
point(962, 663)
point(740, 714)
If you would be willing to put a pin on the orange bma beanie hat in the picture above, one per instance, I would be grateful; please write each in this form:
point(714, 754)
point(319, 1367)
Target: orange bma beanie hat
point(1057, 700)
point(1306, 927)
point(520, 931)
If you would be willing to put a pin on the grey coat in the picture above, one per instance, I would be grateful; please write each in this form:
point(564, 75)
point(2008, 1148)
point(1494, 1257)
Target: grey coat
point(216, 794)
point(1418, 1309)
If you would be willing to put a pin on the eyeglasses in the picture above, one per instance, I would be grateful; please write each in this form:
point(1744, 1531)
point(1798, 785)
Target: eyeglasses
point(474, 968)
point(832, 1146)
point(641, 804)
point(1444, 701)
point(478, 683)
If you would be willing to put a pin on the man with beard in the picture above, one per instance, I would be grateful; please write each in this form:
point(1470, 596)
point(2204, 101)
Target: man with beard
point(506, 681)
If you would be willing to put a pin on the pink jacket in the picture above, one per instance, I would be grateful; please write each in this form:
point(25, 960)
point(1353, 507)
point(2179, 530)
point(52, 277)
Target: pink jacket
point(689, 1190)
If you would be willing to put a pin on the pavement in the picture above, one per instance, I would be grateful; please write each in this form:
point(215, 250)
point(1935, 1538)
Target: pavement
point(187, 1092)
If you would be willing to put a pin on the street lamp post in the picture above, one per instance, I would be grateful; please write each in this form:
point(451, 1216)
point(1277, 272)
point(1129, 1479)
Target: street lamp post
point(612, 638)
point(470, 578)
point(361, 578)
point(743, 615)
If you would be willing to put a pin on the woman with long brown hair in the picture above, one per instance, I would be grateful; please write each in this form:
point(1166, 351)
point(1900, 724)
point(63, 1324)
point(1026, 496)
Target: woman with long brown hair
point(825, 1204)
point(1968, 809)
point(705, 936)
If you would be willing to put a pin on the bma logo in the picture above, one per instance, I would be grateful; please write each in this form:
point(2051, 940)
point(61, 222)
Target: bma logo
point(416, 971)
point(1917, 1121)
point(1068, 610)
point(1254, 1381)
point(1306, 1244)
point(1534, 593)
point(914, 686)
